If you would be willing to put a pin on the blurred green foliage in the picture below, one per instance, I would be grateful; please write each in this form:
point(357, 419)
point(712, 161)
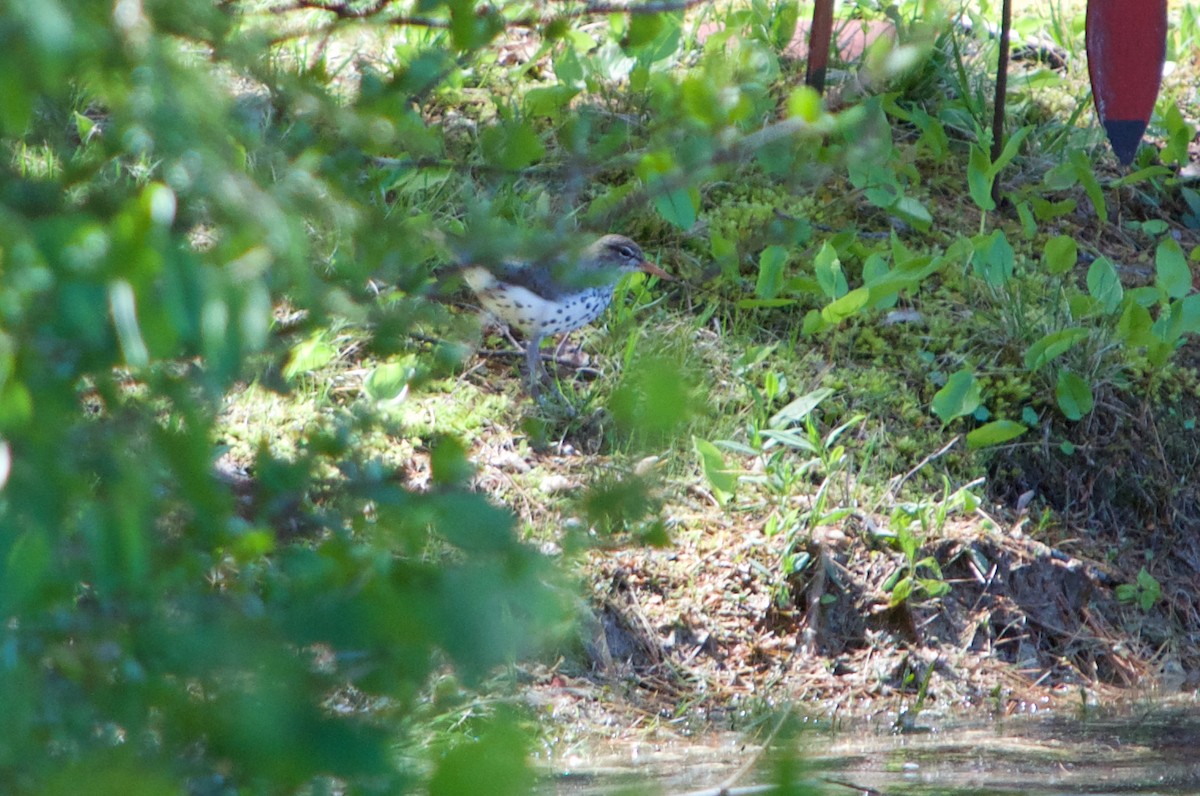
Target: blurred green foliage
point(196, 195)
point(167, 179)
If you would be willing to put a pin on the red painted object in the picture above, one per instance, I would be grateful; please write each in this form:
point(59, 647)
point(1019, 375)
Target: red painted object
point(1126, 47)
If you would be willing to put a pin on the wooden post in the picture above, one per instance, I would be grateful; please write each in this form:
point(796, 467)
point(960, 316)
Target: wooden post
point(1001, 97)
point(820, 36)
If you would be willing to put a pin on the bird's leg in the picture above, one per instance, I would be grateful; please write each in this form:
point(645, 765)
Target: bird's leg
point(533, 363)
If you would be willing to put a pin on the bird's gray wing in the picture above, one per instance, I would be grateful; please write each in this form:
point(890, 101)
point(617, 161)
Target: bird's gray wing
point(538, 279)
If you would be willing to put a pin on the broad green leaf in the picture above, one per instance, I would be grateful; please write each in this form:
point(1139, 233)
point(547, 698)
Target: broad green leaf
point(1060, 254)
point(678, 207)
point(725, 253)
point(960, 396)
point(1048, 211)
point(722, 481)
point(1146, 296)
point(548, 100)
point(1172, 274)
point(1104, 284)
point(1061, 177)
point(813, 322)
point(979, 178)
point(840, 309)
point(449, 464)
point(933, 134)
point(389, 381)
point(875, 270)
point(996, 432)
point(828, 269)
point(799, 409)
point(783, 27)
point(1133, 327)
point(994, 258)
point(511, 145)
point(568, 68)
point(770, 272)
point(26, 566)
point(307, 356)
point(1009, 151)
point(1073, 394)
point(1189, 311)
point(643, 28)
point(1053, 345)
point(17, 92)
point(912, 211)
point(804, 103)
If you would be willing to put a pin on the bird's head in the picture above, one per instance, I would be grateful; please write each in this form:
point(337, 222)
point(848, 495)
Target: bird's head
point(618, 251)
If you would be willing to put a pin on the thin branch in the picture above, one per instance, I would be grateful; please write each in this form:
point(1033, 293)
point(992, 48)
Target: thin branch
point(344, 11)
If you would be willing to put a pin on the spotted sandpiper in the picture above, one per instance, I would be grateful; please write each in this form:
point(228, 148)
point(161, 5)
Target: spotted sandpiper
point(551, 298)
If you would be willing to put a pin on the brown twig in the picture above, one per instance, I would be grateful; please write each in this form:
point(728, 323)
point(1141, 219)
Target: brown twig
point(345, 11)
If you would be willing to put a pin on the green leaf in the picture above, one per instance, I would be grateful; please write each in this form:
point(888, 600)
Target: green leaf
point(799, 409)
point(1189, 314)
point(994, 258)
point(912, 211)
point(1010, 150)
point(495, 762)
point(1104, 284)
point(1073, 394)
point(996, 432)
point(449, 464)
point(511, 145)
point(27, 565)
point(1028, 224)
point(389, 381)
point(548, 100)
point(960, 396)
point(804, 103)
point(307, 356)
point(840, 309)
point(933, 134)
point(813, 322)
point(783, 27)
point(770, 272)
point(722, 481)
point(678, 207)
point(1060, 254)
point(829, 272)
point(1172, 274)
point(1091, 186)
point(1053, 345)
point(979, 178)
point(643, 29)
point(875, 272)
point(1133, 327)
point(1048, 211)
point(1063, 176)
point(84, 127)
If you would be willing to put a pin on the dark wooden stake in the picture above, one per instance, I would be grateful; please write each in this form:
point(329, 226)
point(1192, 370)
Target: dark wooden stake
point(820, 37)
point(1001, 93)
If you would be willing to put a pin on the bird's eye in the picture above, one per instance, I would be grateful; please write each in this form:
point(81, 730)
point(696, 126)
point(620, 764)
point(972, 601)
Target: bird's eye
point(627, 253)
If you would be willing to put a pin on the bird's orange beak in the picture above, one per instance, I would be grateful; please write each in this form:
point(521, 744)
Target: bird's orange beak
point(654, 270)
